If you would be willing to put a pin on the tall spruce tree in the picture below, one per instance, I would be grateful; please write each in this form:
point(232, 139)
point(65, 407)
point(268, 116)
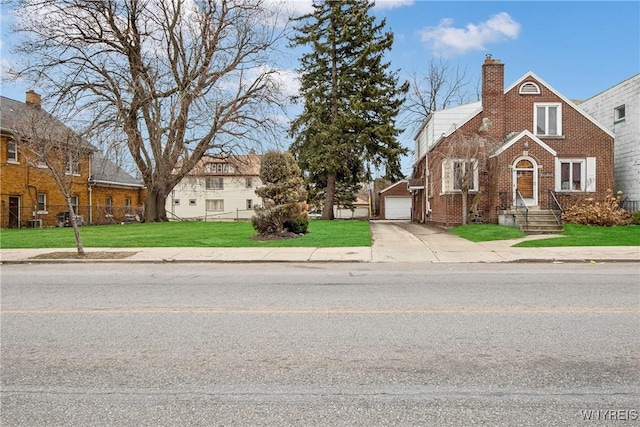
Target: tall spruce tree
point(351, 99)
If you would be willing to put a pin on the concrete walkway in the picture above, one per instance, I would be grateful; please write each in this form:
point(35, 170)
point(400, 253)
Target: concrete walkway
point(393, 241)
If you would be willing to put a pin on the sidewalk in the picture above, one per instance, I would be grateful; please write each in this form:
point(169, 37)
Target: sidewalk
point(393, 241)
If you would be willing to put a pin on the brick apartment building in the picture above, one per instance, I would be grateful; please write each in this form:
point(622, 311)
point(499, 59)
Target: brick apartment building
point(101, 191)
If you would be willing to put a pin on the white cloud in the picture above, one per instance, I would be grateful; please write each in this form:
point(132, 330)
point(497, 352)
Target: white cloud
point(391, 4)
point(447, 40)
point(302, 7)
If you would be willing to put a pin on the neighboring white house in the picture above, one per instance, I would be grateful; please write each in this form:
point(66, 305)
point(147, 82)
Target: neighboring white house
point(618, 109)
point(217, 189)
point(440, 122)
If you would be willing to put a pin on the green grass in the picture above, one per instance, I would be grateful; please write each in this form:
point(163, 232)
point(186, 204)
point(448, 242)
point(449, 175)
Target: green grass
point(186, 234)
point(589, 235)
point(573, 235)
point(486, 232)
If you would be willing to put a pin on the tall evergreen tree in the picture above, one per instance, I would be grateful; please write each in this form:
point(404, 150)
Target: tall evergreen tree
point(351, 98)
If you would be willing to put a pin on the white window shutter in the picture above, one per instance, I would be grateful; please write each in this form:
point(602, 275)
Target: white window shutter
point(591, 175)
point(557, 175)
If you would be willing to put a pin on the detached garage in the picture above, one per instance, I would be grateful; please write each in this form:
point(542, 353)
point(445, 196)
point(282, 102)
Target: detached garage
point(395, 201)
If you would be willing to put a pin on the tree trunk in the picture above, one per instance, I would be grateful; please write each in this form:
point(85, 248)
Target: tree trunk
point(76, 231)
point(154, 206)
point(465, 206)
point(329, 197)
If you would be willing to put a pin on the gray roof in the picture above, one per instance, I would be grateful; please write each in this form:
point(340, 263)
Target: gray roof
point(13, 112)
point(103, 171)
point(106, 172)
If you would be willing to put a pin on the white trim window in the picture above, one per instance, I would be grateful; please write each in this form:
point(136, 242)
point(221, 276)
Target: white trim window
point(74, 203)
point(72, 165)
point(42, 203)
point(249, 204)
point(215, 183)
point(576, 175)
point(216, 205)
point(547, 118)
point(12, 151)
point(454, 174)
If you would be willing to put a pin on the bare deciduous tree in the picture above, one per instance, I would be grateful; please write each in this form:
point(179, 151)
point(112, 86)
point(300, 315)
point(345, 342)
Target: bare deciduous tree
point(174, 79)
point(443, 86)
point(462, 158)
point(55, 150)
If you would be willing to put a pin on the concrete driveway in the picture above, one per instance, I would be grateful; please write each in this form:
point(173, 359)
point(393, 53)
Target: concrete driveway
point(405, 241)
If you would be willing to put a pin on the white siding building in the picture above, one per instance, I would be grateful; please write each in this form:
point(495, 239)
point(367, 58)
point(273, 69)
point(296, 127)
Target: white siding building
point(618, 109)
point(439, 123)
point(217, 189)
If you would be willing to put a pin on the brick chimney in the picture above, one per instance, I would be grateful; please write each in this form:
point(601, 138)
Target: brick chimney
point(33, 99)
point(493, 105)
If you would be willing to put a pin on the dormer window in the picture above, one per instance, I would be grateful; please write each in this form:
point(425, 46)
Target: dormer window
point(218, 168)
point(529, 88)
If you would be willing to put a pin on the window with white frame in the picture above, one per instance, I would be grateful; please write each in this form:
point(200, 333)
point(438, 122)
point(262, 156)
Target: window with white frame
point(214, 183)
point(576, 175)
point(72, 165)
point(458, 172)
point(74, 203)
point(619, 113)
point(12, 151)
point(547, 119)
point(248, 182)
point(249, 204)
point(215, 205)
point(42, 203)
point(193, 202)
point(218, 168)
point(529, 88)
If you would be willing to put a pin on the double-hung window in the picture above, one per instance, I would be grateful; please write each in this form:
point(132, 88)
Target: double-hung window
point(576, 175)
point(547, 118)
point(214, 183)
point(42, 203)
point(459, 173)
point(72, 165)
point(214, 205)
point(12, 151)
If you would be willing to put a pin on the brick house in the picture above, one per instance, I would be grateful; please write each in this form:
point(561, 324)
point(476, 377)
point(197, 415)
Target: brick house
point(522, 149)
point(29, 196)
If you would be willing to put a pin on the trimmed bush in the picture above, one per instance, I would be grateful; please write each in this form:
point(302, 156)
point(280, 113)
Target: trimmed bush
point(298, 225)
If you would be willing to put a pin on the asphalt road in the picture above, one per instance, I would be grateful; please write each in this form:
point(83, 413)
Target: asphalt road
point(320, 344)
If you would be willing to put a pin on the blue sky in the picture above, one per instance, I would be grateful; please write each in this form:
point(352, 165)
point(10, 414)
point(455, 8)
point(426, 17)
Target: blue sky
point(579, 47)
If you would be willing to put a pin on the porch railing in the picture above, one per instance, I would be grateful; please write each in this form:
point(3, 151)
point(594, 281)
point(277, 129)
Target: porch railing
point(555, 207)
point(521, 207)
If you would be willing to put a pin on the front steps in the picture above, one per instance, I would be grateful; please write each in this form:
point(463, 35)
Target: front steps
point(539, 221)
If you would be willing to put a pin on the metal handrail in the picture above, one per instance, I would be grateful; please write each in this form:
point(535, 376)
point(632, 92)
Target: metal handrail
point(554, 206)
point(521, 205)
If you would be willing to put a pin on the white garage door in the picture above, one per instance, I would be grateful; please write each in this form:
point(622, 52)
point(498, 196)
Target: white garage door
point(397, 207)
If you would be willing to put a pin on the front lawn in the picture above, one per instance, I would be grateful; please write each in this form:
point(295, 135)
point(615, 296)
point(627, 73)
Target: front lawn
point(573, 235)
point(185, 234)
point(589, 235)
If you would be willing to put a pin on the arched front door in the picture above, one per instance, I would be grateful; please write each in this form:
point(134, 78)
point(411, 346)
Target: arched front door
point(525, 180)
